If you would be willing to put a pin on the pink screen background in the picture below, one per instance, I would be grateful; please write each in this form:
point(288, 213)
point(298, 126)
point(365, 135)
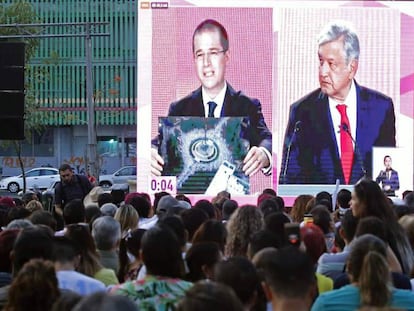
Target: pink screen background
point(249, 70)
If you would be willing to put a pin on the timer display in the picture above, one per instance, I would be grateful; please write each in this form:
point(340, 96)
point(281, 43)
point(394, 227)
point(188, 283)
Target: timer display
point(162, 183)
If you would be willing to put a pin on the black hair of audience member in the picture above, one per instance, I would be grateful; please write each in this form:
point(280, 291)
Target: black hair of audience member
point(67, 301)
point(349, 224)
point(206, 206)
point(240, 274)
point(373, 225)
point(177, 226)
point(219, 200)
point(130, 243)
point(7, 238)
point(323, 195)
point(288, 273)
point(270, 205)
point(118, 196)
point(161, 252)
point(102, 301)
point(207, 296)
point(402, 210)
point(270, 191)
point(201, 259)
point(322, 218)
point(141, 205)
point(339, 242)
point(275, 222)
point(229, 206)
point(74, 212)
point(64, 250)
point(211, 231)
point(31, 243)
point(18, 202)
point(103, 198)
point(4, 210)
point(343, 197)
point(410, 200)
point(183, 197)
point(263, 239)
point(92, 213)
point(43, 218)
point(193, 218)
point(157, 198)
point(17, 213)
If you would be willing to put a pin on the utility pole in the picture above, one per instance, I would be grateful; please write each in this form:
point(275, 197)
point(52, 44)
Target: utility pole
point(92, 160)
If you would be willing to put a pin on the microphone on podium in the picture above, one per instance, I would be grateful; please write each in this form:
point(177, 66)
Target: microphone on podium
point(296, 129)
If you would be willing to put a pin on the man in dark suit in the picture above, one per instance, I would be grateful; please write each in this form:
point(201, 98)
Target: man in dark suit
point(331, 131)
point(216, 98)
point(388, 178)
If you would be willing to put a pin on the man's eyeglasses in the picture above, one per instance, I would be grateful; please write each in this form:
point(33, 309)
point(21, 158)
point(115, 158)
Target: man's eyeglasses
point(213, 54)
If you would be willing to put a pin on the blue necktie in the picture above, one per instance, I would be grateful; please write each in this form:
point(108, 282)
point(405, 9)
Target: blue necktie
point(211, 107)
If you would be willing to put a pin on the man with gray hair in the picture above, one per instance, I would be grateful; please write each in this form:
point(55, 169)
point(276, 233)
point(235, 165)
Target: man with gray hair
point(331, 131)
point(106, 232)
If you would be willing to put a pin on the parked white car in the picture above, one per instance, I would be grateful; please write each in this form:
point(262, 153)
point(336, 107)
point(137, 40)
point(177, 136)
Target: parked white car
point(39, 178)
point(120, 176)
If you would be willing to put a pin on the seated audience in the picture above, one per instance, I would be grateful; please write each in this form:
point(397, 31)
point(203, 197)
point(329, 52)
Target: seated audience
point(201, 259)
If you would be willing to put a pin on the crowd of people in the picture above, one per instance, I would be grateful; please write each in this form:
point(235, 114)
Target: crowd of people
point(126, 251)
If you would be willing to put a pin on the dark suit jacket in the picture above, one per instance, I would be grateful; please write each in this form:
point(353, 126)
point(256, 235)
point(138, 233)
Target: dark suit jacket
point(393, 182)
point(314, 156)
point(236, 104)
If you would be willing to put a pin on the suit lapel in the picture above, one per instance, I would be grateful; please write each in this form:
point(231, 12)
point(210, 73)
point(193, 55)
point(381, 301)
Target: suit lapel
point(196, 104)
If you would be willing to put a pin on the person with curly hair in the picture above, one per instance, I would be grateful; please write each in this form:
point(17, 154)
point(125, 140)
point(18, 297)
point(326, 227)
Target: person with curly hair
point(299, 207)
point(243, 223)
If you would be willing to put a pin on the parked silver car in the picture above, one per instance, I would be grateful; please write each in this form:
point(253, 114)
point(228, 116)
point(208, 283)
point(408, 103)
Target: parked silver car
point(39, 178)
point(120, 176)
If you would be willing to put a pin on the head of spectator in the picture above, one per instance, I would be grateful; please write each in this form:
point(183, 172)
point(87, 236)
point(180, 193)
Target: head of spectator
point(33, 205)
point(67, 301)
point(229, 206)
point(314, 240)
point(322, 218)
point(299, 207)
point(409, 199)
point(407, 222)
point(18, 202)
point(7, 201)
point(219, 199)
point(106, 232)
point(161, 253)
point(263, 239)
point(183, 197)
point(91, 213)
point(108, 209)
point(201, 259)
point(74, 212)
point(7, 238)
point(141, 204)
point(264, 196)
point(29, 196)
point(269, 206)
point(240, 274)
point(19, 224)
point(43, 218)
point(206, 206)
point(211, 231)
point(31, 243)
point(367, 267)
point(168, 206)
point(372, 225)
point(175, 224)
point(118, 196)
point(157, 198)
point(104, 197)
point(129, 259)
point(349, 224)
point(127, 216)
point(206, 296)
point(4, 211)
point(342, 199)
point(92, 197)
point(270, 191)
point(192, 219)
point(275, 223)
point(105, 302)
point(89, 260)
point(324, 195)
point(289, 278)
point(66, 255)
point(244, 222)
point(17, 213)
point(35, 285)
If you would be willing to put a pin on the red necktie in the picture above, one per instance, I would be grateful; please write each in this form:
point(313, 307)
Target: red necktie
point(347, 149)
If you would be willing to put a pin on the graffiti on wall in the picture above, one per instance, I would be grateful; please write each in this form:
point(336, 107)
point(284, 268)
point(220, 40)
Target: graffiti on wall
point(13, 162)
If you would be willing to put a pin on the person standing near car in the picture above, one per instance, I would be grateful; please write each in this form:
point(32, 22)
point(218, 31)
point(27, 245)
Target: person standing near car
point(71, 186)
